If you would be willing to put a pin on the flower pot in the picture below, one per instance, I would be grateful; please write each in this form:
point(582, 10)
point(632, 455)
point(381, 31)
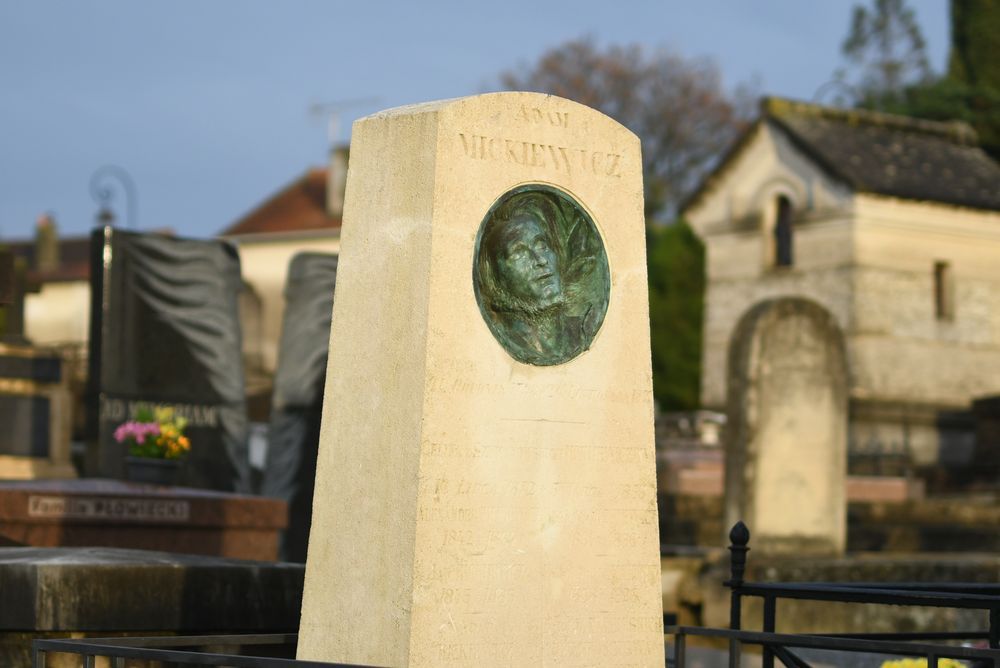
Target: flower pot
point(153, 471)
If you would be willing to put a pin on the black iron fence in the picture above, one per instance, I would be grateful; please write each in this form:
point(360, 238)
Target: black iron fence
point(931, 646)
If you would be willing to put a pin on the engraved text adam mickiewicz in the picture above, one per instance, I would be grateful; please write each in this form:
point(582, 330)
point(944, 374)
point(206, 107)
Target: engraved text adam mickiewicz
point(560, 158)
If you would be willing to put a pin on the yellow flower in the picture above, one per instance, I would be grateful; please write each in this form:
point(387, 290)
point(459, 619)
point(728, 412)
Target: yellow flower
point(163, 414)
point(921, 663)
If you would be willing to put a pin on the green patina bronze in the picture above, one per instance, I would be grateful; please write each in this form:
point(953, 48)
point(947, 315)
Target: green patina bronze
point(541, 275)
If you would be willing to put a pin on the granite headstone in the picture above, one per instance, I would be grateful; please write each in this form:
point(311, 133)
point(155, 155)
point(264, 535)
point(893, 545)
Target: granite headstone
point(297, 401)
point(165, 332)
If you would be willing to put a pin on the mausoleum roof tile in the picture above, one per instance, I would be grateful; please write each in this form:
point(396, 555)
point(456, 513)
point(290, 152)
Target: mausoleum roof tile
point(893, 155)
point(884, 154)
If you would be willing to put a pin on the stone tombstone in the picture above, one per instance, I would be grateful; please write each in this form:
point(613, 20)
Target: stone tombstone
point(164, 331)
point(786, 433)
point(986, 455)
point(101, 592)
point(297, 400)
point(485, 490)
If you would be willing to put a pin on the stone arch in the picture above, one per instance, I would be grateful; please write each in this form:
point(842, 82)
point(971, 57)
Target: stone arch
point(786, 433)
point(771, 189)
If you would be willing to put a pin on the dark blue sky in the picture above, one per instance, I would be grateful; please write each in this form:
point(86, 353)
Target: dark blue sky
point(206, 104)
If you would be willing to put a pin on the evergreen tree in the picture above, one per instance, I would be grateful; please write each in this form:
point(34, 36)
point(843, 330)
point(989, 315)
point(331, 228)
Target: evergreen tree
point(885, 46)
point(975, 43)
point(676, 266)
point(971, 90)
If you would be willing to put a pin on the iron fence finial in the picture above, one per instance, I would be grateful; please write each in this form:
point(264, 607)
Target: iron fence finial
point(739, 536)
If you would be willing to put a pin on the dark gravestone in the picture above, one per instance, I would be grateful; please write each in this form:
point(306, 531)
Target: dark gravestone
point(6, 277)
point(957, 466)
point(986, 457)
point(25, 418)
point(165, 331)
point(25, 430)
point(297, 402)
point(13, 312)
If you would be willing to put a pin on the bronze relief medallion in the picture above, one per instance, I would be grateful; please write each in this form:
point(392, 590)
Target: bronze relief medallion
point(540, 275)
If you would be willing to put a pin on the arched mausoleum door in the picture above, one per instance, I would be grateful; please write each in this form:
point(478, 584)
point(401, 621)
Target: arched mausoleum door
point(786, 435)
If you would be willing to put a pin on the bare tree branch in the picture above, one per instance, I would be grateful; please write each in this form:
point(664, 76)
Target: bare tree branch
point(676, 106)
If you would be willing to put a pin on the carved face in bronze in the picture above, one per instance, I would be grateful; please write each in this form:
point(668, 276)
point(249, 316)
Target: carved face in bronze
point(540, 275)
point(526, 264)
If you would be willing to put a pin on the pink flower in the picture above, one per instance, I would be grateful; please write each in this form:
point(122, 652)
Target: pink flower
point(136, 431)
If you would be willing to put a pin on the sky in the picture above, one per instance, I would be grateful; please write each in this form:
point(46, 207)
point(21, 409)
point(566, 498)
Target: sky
point(209, 106)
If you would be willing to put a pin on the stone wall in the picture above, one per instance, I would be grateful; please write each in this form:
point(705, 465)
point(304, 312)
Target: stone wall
point(901, 351)
point(920, 525)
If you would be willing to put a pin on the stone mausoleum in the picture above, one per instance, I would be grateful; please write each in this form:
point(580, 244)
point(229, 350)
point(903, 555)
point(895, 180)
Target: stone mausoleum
point(890, 224)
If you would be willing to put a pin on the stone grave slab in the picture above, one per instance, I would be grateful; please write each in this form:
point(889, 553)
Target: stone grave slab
point(112, 513)
point(486, 490)
point(102, 592)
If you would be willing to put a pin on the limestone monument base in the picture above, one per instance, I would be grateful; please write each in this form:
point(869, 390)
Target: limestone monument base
point(472, 509)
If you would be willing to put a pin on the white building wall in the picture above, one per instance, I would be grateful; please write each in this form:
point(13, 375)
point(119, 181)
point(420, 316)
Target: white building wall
point(58, 314)
point(264, 261)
